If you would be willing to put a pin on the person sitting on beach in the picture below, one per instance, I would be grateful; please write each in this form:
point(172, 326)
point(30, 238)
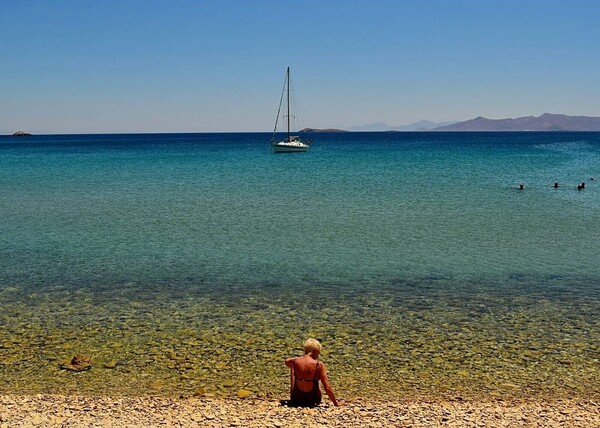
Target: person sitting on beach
point(306, 372)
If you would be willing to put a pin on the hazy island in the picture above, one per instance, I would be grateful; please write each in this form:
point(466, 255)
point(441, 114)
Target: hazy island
point(21, 134)
point(421, 125)
point(545, 122)
point(322, 130)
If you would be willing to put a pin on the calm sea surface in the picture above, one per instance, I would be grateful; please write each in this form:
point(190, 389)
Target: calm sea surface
point(194, 263)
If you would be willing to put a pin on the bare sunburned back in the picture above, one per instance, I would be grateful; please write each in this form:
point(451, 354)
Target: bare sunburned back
point(306, 372)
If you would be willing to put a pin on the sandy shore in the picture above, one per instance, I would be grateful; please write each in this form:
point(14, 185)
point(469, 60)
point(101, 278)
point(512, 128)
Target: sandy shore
point(73, 411)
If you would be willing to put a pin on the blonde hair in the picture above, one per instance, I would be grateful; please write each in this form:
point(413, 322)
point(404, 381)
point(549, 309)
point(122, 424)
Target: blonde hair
point(311, 345)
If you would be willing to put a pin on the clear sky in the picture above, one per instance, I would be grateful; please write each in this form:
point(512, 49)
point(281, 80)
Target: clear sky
point(186, 66)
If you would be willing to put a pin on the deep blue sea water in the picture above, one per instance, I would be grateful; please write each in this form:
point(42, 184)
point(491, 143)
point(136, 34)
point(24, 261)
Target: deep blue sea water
point(213, 232)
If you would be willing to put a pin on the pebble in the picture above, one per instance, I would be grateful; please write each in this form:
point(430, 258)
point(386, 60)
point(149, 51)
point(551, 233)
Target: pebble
point(37, 420)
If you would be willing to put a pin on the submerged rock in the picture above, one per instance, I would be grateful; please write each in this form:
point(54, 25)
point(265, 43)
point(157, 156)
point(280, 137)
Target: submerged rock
point(199, 392)
point(111, 365)
point(156, 384)
point(78, 363)
point(243, 393)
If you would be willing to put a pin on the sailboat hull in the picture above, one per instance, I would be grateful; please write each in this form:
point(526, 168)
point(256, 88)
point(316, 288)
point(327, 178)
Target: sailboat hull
point(284, 147)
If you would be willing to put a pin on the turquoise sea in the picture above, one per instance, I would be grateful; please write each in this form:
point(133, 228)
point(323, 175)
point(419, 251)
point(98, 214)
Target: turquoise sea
point(195, 263)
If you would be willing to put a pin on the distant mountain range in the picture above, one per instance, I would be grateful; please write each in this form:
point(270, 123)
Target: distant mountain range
point(545, 122)
point(422, 125)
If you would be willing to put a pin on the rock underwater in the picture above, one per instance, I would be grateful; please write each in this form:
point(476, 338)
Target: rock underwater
point(78, 363)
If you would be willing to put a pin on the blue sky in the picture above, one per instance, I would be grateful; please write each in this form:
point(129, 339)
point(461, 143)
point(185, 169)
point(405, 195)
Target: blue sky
point(193, 66)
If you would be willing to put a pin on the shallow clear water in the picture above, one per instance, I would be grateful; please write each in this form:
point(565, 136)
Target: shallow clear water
point(202, 260)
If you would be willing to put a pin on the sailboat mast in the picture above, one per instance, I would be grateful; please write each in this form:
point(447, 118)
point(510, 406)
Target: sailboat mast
point(288, 103)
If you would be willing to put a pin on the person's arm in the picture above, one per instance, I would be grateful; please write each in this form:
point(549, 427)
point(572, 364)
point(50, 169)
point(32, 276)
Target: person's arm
point(327, 386)
point(290, 363)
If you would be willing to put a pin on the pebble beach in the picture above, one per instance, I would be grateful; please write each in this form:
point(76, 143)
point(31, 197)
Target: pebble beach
point(79, 411)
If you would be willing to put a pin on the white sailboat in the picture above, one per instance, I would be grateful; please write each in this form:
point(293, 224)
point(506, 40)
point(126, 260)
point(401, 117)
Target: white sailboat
point(291, 143)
